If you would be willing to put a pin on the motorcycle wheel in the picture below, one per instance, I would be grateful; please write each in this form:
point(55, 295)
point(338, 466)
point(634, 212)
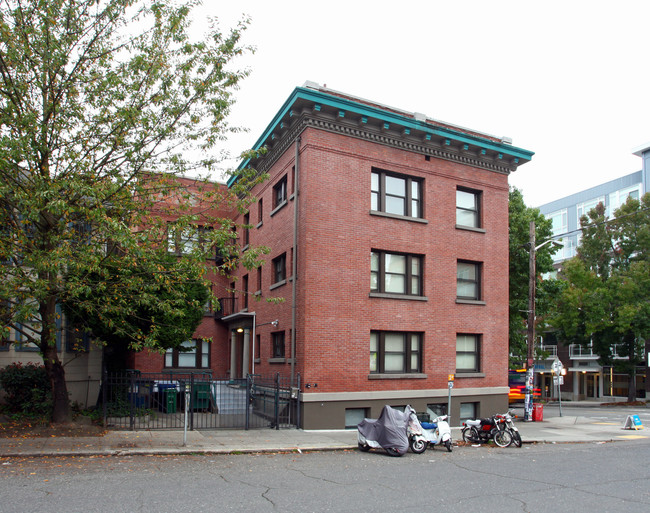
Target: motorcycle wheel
point(364, 447)
point(516, 439)
point(502, 438)
point(393, 452)
point(471, 435)
point(418, 446)
point(448, 445)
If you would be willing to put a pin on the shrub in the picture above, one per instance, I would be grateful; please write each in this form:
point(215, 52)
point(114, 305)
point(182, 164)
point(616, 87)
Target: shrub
point(27, 389)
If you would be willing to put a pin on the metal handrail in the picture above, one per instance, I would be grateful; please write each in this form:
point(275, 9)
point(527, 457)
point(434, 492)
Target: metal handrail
point(579, 351)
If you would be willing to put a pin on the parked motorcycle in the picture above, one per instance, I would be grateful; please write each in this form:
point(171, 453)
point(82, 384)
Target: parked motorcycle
point(436, 432)
point(388, 432)
point(510, 426)
point(481, 431)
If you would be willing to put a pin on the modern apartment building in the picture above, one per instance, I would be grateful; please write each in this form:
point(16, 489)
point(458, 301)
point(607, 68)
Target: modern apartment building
point(566, 212)
point(586, 377)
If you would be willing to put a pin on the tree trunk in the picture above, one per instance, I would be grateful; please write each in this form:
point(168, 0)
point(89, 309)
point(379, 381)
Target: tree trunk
point(61, 411)
point(631, 388)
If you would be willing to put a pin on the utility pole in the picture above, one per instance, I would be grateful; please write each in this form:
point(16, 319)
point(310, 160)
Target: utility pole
point(530, 362)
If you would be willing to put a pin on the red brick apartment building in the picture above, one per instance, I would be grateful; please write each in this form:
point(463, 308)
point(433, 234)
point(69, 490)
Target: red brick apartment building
point(389, 247)
point(205, 352)
point(389, 250)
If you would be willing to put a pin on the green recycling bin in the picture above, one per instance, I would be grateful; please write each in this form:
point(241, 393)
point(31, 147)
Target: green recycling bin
point(201, 396)
point(170, 400)
point(168, 397)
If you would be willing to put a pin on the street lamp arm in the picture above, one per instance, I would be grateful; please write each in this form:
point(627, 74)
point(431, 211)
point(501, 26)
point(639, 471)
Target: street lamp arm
point(550, 241)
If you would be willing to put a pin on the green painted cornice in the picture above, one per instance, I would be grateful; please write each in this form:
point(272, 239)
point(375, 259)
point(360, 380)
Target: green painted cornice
point(418, 131)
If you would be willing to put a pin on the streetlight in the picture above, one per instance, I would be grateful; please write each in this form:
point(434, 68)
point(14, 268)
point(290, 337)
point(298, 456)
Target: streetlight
point(532, 282)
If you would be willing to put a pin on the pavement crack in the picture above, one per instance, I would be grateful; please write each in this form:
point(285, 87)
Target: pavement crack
point(581, 488)
point(266, 498)
point(316, 478)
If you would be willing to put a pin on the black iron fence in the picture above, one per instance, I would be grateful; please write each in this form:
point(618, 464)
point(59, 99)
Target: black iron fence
point(198, 400)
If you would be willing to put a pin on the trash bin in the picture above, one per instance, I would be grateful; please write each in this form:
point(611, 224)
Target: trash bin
point(140, 393)
point(167, 397)
point(201, 396)
point(538, 412)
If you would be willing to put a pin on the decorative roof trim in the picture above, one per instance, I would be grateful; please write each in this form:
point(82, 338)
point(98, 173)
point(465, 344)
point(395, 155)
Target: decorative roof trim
point(354, 117)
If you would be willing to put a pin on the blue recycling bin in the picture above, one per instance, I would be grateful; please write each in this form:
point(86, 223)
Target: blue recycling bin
point(140, 393)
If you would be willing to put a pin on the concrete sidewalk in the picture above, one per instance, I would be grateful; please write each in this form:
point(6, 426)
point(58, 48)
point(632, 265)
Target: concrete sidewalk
point(554, 430)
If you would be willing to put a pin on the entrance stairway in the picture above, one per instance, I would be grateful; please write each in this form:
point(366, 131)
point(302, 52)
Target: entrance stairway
point(230, 399)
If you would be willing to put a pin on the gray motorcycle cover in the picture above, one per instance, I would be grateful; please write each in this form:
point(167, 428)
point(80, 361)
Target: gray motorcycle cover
point(389, 430)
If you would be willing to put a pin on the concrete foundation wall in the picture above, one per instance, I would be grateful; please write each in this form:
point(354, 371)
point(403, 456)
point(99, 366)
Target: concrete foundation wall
point(330, 414)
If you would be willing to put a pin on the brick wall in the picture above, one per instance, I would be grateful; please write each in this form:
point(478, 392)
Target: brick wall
point(337, 232)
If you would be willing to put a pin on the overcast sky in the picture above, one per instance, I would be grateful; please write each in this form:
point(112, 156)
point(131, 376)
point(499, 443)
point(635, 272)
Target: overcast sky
point(565, 79)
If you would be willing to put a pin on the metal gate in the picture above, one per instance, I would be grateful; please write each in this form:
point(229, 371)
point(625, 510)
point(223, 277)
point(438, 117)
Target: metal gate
point(171, 400)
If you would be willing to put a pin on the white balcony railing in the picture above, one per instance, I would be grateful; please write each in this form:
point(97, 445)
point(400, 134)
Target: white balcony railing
point(639, 352)
point(577, 351)
point(549, 351)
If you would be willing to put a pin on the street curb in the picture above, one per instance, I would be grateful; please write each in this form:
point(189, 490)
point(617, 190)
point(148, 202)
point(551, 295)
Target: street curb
point(178, 451)
point(172, 452)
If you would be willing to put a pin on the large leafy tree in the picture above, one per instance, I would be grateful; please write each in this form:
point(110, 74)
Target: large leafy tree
point(606, 301)
point(103, 104)
point(520, 218)
point(168, 311)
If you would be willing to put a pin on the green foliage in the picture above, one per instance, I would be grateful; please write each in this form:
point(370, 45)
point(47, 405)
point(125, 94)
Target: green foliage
point(606, 298)
point(97, 123)
point(27, 390)
point(163, 311)
point(520, 217)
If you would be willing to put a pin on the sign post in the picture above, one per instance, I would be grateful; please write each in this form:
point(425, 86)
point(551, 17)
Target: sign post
point(450, 385)
point(528, 403)
point(558, 379)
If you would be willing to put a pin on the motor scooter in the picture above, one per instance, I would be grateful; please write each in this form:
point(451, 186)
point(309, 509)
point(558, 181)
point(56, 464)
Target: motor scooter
point(438, 432)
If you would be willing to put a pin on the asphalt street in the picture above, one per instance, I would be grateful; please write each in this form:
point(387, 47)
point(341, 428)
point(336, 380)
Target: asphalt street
point(578, 477)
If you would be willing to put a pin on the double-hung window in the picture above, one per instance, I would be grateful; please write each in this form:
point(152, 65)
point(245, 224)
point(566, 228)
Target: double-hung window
point(396, 194)
point(467, 353)
point(246, 228)
point(395, 352)
point(468, 208)
point(280, 268)
point(395, 273)
point(280, 192)
point(193, 354)
point(184, 240)
point(468, 280)
point(277, 340)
